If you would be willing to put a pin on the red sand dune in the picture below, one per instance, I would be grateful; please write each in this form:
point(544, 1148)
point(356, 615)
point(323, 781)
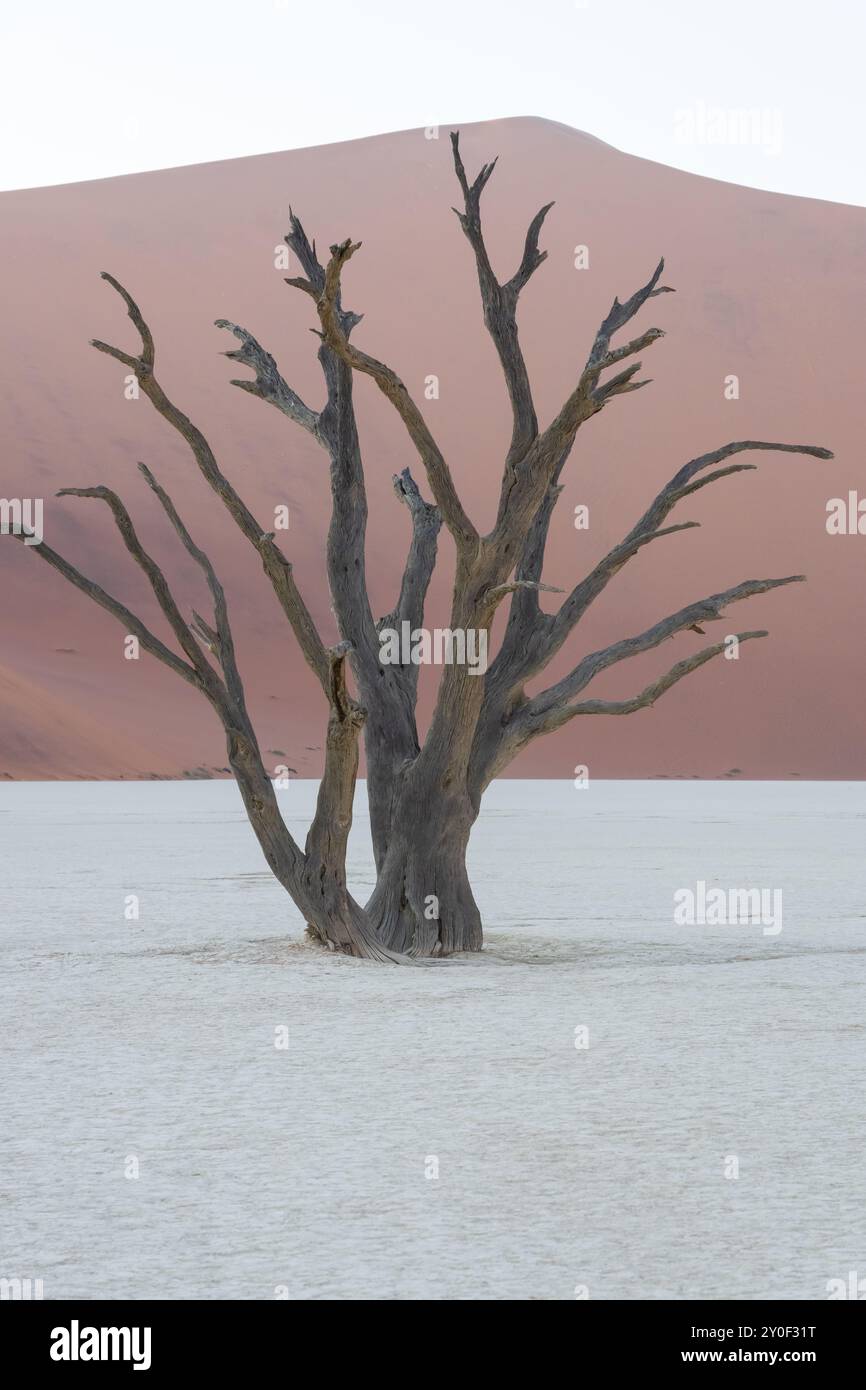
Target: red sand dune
point(770, 288)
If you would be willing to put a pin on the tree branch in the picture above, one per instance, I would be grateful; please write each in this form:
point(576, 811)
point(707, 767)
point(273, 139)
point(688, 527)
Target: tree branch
point(145, 359)
point(329, 832)
point(393, 388)
point(275, 564)
point(528, 479)
point(499, 301)
point(559, 715)
point(415, 581)
point(533, 638)
point(335, 429)
point(314, 283)
point(268, 385)
point(155, 576)
point(705, 610)
point(421, 559)
point(494, 596)
point(133, 624)
point(648, 528)
point(588, 396)
point(219, 640)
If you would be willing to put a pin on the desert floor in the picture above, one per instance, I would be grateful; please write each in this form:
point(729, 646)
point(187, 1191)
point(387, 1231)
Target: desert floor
point(434, 1132)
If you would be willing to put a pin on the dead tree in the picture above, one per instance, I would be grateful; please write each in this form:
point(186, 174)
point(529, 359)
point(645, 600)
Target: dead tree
point(425, 794)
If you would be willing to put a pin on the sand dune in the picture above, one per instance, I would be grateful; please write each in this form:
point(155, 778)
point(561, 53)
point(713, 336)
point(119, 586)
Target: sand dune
point(769, 288)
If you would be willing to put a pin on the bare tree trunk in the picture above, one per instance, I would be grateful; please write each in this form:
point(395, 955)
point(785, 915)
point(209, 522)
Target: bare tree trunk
point(423, 903)
point(424, 795)
point(389, 752)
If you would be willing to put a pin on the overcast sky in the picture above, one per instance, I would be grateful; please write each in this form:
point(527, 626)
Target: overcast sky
point(92, 88)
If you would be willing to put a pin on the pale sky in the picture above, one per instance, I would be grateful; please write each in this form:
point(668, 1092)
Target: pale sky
point(92, 88)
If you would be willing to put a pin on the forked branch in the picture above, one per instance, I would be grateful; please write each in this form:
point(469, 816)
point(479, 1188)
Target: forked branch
point(499, 301)
point(706, 610)
point(219, 639)
point(275, 564)
point(648, 528)
point(533, 463)
point(156, 578)
point(526, 498)
point(559, 715)
point(268, 384)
